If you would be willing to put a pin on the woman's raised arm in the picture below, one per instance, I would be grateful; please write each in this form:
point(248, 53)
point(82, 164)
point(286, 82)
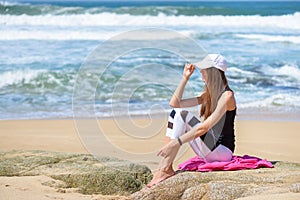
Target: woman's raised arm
point(176, 100)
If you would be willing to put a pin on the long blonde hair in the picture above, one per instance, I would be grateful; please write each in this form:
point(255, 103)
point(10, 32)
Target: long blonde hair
point(215, 85)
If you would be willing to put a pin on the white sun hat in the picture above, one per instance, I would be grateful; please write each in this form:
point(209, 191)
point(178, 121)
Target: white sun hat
point(212, 60)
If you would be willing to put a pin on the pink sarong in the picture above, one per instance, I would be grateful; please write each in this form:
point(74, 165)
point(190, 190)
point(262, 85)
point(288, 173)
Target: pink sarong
point(236, 163)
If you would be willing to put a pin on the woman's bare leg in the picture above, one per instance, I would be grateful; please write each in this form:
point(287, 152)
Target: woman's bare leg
point(167, 139)
point(165, 169)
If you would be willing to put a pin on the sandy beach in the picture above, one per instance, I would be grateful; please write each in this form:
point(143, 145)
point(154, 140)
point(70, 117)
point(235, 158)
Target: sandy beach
point(272, 140)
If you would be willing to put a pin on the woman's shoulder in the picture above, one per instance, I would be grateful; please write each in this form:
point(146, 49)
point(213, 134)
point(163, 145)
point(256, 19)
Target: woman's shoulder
point(229, 93)
point(228, 96)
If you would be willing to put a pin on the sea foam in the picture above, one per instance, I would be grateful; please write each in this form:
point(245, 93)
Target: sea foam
point(271, 38)
point(98, 26)
point(290, 21)
point(18, 76)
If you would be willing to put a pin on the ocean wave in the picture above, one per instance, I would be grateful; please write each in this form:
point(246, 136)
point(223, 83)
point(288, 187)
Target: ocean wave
point(17, 8)
point(276, 100)
point(271, 38)
point(169, 8)
point(18, 76)
point(36, 81)
point(83, 35)
point(286, 76)
point(87, 26)
point(55, 35)
point(290, 21)
point(288, 70)
point(234, 71)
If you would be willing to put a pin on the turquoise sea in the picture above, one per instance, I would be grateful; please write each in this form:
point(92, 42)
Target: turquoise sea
point(43, 45)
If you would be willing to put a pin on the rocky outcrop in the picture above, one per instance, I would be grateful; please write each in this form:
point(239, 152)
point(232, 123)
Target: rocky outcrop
point(283, 178)
point(80, 172)
point(109, 176)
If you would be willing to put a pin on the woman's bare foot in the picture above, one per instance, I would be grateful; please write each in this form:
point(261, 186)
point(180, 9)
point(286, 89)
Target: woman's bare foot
point(160, 175)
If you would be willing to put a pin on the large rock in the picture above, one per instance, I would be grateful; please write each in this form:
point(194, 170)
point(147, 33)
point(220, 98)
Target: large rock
point(82, 172)
point(109, 176)
point(284, 178)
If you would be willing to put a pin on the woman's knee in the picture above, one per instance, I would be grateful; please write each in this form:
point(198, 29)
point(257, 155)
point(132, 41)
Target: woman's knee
point(180, 116)
point(184, 114)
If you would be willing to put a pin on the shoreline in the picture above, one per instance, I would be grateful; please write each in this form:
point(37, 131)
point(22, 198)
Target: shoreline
point(243, 114)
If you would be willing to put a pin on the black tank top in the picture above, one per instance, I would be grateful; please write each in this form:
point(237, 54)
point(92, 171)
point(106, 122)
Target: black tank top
point(227, 137)
point(222, 132)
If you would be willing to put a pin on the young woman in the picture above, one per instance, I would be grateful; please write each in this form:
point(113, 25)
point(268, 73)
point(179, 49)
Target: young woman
point(213, 139)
